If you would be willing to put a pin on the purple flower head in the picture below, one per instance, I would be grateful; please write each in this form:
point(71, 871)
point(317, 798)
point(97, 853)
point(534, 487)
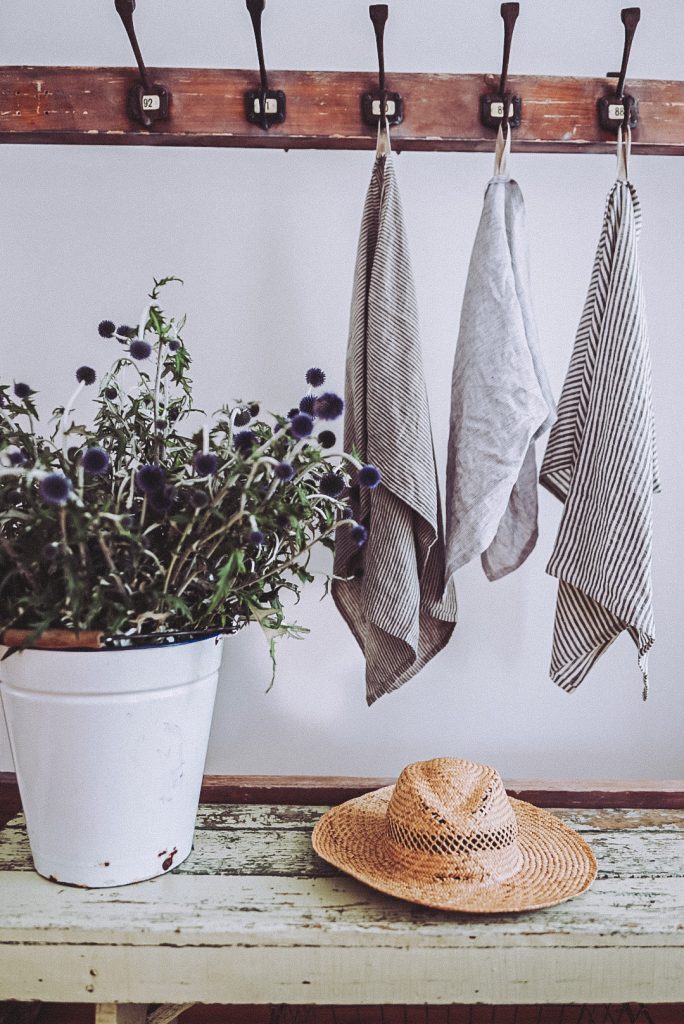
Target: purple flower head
point(125, 331)
point(110, 393)
point(23, 390)
point(55, 489)
point(85, 375)
point(301, 425)
point(162, 500)
point(106, 328)
point(161, 423)
point(149, 478)
point(242, 418)
point(294, 411)
point(369, 476)
point(331, 485)
point(315, 377)
point(244, 441)
point(174, 344)
point(359, 534)
point(256, 537)
point(307, 405)
point(254, 409)
point(95, 461)
point(282, 520)
point(198, 498)
point(329, 406)
point(327, 439)
point(284, 471)
point(205, 463)
point(140, 349)
point(347, 512)
point(17, 457)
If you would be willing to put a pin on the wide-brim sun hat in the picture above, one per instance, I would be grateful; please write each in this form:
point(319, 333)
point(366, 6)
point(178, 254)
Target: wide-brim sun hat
point(447, 835)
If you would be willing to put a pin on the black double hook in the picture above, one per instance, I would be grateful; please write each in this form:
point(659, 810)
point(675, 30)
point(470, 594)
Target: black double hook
point(263, 106)
point(501, 107)
point(148, 101)
point(619, 109)
point(381, 104)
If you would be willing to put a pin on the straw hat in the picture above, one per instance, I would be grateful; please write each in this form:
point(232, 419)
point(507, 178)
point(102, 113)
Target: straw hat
point(447, 835)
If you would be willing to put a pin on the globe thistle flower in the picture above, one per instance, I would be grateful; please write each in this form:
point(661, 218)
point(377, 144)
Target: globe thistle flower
point(174, 344)
point(359, 534)
point(331, 484)
point(244, 441)
point(254, 409)
point(106, 328)
point(95, 461)
point(110, 393)
point(205, 463)
point(85, 375)
point(347, 512)
point(284, 471)
point(328, 406)
point(315, 377)
point(282, 520)
point(294, 411)
point(327, 439)
point(140, 349)
point(369, 476)
point(256, 537)
point(149, 478)
point(130, 522)
point(197, 498)
point(307, 405)
point(301, 425)
point(23, 390)
point(161, 424)
point(162, 500)
point(242, 418)
point(55, 489)
point(17, 456)
point(124, 331)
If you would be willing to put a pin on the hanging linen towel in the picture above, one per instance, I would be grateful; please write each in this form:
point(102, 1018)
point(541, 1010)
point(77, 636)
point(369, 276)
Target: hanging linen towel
point(391, 590)
point(500, 397)
point(601, 458)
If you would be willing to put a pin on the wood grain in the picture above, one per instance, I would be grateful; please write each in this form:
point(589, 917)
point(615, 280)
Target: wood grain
point(73, 105)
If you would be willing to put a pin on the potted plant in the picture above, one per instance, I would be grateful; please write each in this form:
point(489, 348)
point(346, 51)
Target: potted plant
point(129, 547)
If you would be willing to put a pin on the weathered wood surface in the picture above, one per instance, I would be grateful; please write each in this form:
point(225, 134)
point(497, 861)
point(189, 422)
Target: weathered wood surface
point(88, 106)
point(254, 916)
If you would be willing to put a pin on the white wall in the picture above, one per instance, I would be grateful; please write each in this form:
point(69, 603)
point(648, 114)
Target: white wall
point(266, 244)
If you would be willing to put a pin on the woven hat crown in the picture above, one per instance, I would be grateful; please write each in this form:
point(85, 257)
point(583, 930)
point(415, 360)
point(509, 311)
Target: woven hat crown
point(457, 813)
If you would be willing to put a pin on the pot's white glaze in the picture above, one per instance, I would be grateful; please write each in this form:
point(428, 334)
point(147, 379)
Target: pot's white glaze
point(109, 749)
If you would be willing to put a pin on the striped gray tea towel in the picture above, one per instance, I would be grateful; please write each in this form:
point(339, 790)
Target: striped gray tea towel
point(601, 458)
point(391, 590)
point(500, 398)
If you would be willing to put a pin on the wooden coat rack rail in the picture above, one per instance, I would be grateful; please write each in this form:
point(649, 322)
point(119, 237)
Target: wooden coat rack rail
point(87, 106)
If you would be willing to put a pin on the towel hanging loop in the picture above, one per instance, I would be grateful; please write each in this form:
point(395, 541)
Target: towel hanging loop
point(618, 109)
point(148, 101)
point(381, 104)
point(501, 107)
point(263, 106)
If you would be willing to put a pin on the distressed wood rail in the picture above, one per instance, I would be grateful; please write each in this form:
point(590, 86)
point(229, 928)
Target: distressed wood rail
point(71, 105)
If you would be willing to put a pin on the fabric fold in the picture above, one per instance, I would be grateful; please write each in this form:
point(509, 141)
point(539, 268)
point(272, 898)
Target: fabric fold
point(501, 401)
point(601, 458)
point(391, 591)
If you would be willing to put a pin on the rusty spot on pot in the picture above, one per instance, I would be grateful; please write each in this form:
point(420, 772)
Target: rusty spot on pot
point(169, 860)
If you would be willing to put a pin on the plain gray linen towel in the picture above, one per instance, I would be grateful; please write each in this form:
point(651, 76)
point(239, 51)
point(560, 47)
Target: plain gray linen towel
point(601, 459)
point(500, 396)
point(391, 590)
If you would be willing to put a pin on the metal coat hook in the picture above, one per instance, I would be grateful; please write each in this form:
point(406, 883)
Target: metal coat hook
point(264, 106)
point(500, 107)
point(619, 109)
point(148, 101)
point(374, 105)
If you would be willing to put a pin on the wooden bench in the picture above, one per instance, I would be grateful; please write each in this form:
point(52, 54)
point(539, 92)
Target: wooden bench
point(254, 917)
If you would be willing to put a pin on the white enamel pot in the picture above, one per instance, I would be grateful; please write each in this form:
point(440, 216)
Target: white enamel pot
point(109, 749)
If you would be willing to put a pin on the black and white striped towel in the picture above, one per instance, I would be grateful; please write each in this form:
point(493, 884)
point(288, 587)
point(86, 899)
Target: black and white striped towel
point(601, 459)
point(391, 591)
point(501, 401)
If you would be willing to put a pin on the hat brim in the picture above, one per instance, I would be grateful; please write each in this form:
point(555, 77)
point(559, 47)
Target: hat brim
point(557, 863)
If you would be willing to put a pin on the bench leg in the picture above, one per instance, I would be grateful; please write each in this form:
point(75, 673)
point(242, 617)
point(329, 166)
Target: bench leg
point(135, 1013)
